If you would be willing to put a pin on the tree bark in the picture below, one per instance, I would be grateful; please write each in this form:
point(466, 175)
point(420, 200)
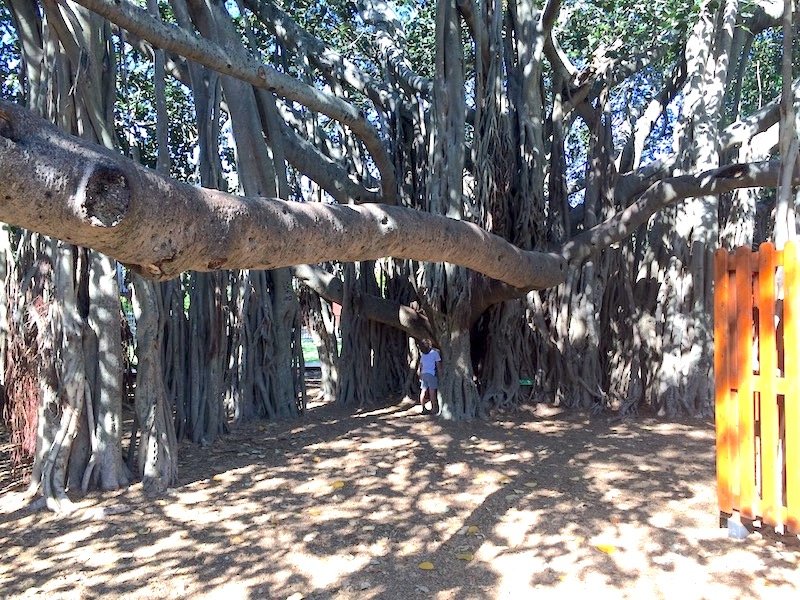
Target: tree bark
point(157, 457)
point(104, 201)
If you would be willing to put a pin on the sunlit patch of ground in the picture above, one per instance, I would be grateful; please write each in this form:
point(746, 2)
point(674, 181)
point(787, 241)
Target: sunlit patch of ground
point(390, 504)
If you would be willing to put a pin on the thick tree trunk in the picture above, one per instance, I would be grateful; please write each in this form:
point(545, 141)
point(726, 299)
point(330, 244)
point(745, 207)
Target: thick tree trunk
point(63, 386)
point(175, 352)
point(80, 418)
point(157, 460)
point(458, 393)
point(356, 378)
point(105, 464)
point(683, 311)
point(321, 325)
point(287, 387)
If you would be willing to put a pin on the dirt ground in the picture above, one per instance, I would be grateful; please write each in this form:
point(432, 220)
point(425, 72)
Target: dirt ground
point(390, 504)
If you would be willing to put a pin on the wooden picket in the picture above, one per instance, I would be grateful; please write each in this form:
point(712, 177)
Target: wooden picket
point(757, 366)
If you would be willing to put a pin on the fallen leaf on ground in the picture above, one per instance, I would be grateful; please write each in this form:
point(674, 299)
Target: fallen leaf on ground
point(337, 485)
point(473, 529)
point(607, 548)
point(465, 556)
point(426, 566)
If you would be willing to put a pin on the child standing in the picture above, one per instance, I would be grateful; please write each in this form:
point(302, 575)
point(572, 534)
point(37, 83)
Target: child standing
point(428, 375)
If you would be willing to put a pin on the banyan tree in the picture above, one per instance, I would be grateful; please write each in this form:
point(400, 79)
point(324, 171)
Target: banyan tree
point(538, 187)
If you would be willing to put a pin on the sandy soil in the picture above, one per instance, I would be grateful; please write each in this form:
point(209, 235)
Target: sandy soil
point(390, 504)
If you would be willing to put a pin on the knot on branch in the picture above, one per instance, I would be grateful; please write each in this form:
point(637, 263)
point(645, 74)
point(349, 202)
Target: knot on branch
point(6, 128)
point(106, 196)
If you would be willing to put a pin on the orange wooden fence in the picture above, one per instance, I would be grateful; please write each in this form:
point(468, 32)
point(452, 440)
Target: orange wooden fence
point(757, 365)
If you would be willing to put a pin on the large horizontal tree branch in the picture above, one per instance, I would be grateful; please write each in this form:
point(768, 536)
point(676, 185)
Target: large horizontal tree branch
point(745, 129)
point(327, 173)
point(666, 192)
point(62, 186)
point(203, 51)
point(373, 308)
point(631, 184)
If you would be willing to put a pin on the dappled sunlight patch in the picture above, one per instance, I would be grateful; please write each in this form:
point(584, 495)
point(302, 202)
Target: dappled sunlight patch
point(197, 495)
point(327, 464)
point(387, 444)
point(75, 537)
point(414, 491)
point(323, 571)
point(334, 512)
point(606, 472)
point(343, 445)
point(439, 440)
point(524, 455)
point(188, 513)
point(314, 487)
point(382, 514)
point(514, 570)
point(270, 484)
point(661, 519)
point(377, 412)
point(433, 504)
point(398, 479)
point(470, 498)
point(459, 469)
point(510, 457)
point(494, 477)
point(235, 528)
point(548, 494)
point(489, 446)
point(161, 546)
point(516, 526)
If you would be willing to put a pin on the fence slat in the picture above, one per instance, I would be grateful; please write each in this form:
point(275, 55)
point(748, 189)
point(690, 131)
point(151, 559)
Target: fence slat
point(726, 434)
point(744, 383)
point(791, 337)
point(768, 398)
point(732, 359)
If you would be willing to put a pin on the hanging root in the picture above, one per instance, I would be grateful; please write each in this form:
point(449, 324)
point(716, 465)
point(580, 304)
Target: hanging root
point(22, 395)
point(21, 401)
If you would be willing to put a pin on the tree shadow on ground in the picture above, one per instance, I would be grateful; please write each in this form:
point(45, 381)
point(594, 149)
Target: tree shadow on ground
point(338, 505)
